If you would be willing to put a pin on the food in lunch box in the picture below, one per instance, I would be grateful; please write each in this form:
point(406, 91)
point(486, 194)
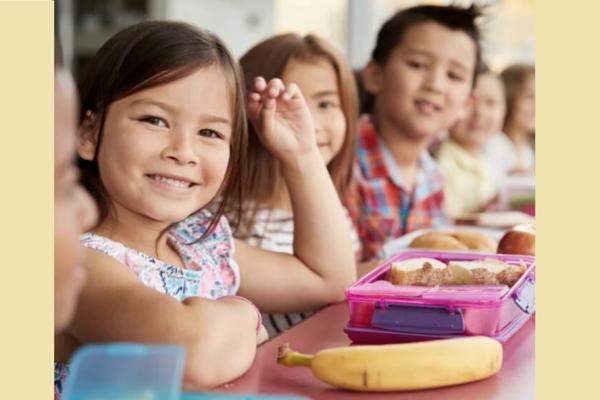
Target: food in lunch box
point(406, 366)
point(461, 240)
point(420, 272)
point(431, 272)
point(485, 272)
point(518, 240)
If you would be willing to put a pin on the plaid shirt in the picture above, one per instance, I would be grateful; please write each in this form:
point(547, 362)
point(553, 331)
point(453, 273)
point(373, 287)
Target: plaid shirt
point(379, 205)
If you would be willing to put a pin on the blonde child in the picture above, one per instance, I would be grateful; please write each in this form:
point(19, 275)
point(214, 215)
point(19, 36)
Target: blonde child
point(469, 183)
point(512, 153)
point(327, 84)
point(421, 75)
point(163, 133)
point(74, 211)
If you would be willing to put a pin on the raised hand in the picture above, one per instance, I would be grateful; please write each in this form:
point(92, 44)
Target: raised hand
point(282, 119)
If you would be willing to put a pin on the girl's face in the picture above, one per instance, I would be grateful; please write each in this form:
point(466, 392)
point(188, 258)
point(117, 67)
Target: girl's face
point(74, 210)
point(486, 113)
point(424, 86)
point(165, 150)
point(318, 82)
point(523, 118)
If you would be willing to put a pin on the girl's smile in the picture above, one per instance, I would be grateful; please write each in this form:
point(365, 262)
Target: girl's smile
point(165, 150)
point(172, 182)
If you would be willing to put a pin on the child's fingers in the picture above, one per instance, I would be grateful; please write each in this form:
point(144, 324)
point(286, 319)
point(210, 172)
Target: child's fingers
point(253, 105)
point(292, 91)
point(275, 87)
point(260, 84)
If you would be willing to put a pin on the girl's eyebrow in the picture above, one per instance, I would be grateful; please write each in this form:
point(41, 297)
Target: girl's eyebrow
point(324, 93)
point(156, 103)
point(214, 119)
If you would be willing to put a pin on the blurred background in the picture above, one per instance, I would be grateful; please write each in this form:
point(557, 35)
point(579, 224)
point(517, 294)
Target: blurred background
point(83, 25)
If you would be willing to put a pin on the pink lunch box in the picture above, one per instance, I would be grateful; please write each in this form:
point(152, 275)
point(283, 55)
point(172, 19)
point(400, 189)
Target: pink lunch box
point(381, 312)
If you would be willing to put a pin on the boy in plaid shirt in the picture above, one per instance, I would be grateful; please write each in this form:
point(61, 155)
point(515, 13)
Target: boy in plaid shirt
point(421, 75)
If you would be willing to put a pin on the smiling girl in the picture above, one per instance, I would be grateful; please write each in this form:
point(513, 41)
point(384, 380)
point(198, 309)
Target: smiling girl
point(162, 135)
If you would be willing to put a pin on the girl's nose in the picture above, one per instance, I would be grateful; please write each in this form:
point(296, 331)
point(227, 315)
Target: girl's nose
point(180, 149)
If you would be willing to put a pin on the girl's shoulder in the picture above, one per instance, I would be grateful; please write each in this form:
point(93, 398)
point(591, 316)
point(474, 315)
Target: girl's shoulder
point(191, 229)
point(105, 245)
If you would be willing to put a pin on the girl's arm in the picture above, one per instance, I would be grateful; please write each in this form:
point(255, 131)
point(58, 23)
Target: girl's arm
point(219, 336)
point(323, 265)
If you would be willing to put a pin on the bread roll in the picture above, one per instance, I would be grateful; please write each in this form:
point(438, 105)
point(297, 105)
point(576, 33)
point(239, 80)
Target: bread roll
point(476, 241)
point(437, 241)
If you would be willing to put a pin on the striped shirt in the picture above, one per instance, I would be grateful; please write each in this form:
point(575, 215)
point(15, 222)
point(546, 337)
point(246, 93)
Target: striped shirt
point(274, 230)
point(379, 205)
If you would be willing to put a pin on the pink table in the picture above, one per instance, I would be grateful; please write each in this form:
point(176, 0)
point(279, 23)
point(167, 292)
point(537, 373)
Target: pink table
point(325, 329)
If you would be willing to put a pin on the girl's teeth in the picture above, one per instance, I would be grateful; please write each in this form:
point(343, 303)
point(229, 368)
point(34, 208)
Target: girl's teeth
point(171, 181)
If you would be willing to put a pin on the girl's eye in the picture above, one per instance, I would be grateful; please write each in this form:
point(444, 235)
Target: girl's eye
point(326, 104)
point(156, 121)
point(209, 133)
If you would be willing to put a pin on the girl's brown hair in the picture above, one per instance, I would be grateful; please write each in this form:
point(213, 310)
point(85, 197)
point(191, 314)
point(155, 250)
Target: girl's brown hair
point(269, 60)
point(514, 78)
point(150, 54)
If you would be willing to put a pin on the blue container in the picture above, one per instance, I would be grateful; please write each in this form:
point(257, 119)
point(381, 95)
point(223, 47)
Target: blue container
point(125, 371)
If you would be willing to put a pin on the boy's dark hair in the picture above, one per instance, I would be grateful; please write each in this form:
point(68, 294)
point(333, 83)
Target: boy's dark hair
point(453, 17)
point(150, 54)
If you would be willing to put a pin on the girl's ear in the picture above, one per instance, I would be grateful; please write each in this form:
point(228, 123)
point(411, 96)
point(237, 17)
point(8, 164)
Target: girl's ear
point(372, 77)
point(88, 136)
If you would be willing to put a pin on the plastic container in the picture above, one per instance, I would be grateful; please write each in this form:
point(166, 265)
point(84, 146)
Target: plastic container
point(381, 312)
point(125, 371)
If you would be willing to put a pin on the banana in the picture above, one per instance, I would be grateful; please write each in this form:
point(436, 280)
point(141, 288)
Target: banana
point(406, 366)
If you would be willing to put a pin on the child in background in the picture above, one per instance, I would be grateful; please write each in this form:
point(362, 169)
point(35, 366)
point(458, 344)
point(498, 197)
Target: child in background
point(74, 211)
point(421, 74)
point(512, 153)
point(162, 134)
point(327, 84)
point(468, 181)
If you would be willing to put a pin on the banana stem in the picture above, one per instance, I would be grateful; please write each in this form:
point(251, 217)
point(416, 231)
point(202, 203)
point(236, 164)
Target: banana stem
point(292, 358)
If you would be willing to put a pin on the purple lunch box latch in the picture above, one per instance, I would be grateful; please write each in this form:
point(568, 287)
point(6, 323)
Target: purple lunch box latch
point(525, 297)
point(418, 319)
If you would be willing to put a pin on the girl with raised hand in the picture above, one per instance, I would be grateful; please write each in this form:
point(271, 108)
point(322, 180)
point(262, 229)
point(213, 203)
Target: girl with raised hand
point(323, 75)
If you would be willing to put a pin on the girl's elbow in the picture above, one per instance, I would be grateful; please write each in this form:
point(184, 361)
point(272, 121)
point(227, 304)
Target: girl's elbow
point(336, 291)
point(206, 374)
point(200, 380)
point(212, 361)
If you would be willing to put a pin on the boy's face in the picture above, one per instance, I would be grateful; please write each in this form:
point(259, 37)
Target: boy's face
point(486, 114)
point(425, 85)
point(74, 211)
